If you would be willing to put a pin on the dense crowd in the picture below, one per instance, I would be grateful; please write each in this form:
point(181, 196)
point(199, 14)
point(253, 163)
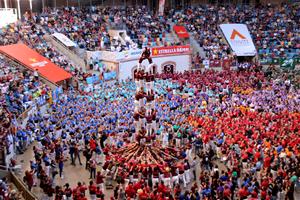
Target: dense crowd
point(274, 29)
point(86, 27)
point(7, 191)
point(32, 34)
point(146, 29)
point(20, 89)
point(237, 132)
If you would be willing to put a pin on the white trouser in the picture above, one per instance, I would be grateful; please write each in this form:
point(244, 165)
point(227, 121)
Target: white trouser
point(101, 186)
point(167, 182)
point(93, 196)
point(155, 180)
point(182, 177)
point(175, 179)
point(187, 176)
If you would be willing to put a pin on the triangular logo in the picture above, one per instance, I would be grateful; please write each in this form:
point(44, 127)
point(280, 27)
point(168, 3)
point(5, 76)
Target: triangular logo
point(236, 33)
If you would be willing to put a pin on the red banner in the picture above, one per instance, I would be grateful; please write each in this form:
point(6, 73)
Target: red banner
point(181, 31)
point(34, 61)
point(173, 50)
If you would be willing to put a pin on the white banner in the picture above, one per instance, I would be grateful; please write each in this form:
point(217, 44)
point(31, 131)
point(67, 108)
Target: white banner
point(8, 16)
point(239, 39)
point(64, 39)
point(129, 54)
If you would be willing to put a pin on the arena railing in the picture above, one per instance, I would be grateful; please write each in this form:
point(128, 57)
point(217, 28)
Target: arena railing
point(72, 54)
point(5, 172)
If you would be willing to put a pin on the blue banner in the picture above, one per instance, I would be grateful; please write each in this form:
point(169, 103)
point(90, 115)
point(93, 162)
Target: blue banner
point(110, 76)
point(92, 79)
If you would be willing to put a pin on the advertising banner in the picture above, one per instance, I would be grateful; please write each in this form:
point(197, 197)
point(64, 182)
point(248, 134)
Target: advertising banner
point(239, 39)
point(288, 63)
point(129, 54)
point(34, 61)
point(110, 76)
point(174, 50)
point(92, 79)
point(181, 31)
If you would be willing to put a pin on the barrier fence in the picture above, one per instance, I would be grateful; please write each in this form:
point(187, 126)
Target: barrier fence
point(21, 187)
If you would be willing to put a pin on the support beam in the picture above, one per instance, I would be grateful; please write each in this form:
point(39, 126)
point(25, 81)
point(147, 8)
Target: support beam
point(19, 9)
point(30, 5)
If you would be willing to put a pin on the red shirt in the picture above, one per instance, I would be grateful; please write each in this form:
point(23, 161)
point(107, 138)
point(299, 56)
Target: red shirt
point(267, 162)
point(99, 179)
point(243, 192)
point(130, 192)
point(227, 192)
point(92, 189)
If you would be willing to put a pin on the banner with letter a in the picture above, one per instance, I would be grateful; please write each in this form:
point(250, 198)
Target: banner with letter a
point(239, 39)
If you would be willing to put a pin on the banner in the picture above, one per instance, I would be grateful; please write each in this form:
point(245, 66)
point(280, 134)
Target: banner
point(110, 76)
point(181, 31)
point(174, 50)
point(129, 54)
point(64, 39)
point(288, 63)
point(92, 79)
point(239, 39)
point(161, 7)
point(36, 62)
point(206, 63)
point(8, 16)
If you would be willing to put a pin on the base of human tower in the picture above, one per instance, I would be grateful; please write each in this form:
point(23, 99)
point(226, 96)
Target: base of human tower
point(146, 157)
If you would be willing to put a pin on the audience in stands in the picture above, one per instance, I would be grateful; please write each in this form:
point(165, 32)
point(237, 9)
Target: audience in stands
point(32, 34)
point(241, 128)
point(20, 89)
point(274, 29)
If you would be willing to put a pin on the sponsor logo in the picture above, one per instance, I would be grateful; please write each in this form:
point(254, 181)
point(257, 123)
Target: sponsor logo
point(170, 50)
point(35, 63)
point(236, 33)
point(181, 32)
point(239, 39)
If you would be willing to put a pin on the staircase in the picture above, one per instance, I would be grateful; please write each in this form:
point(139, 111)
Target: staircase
point(196, 46)
point(172, 37)
point(76, 56)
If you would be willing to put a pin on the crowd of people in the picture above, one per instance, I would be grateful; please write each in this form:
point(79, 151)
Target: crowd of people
point(7, 191)
point(237, 133)
point(88, 27)
point(29, 32)
point(274, 28)
point(20, 88)
point(146, 29)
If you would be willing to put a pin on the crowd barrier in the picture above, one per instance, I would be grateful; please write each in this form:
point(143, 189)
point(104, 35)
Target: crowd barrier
point(21, 187)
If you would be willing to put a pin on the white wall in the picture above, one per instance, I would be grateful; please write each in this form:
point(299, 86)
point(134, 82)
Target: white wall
point(183, 63)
